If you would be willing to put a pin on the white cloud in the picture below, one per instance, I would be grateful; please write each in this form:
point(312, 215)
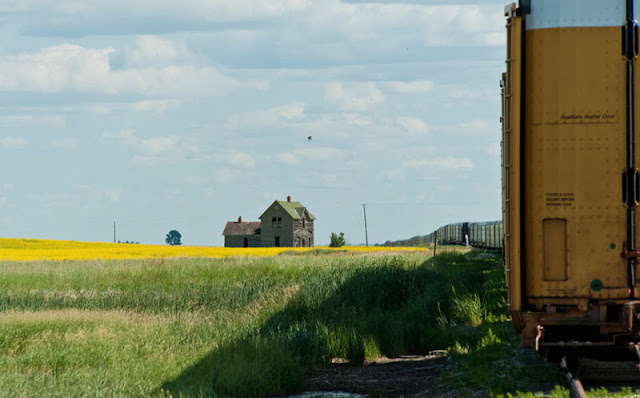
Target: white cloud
point(225, 174)
point(65, 144)
point(472, 128)
point(493, 150)
point(154, 51)
point(31, 120)
point(410, 87)
point(70, 67)
point(158, 145)
point(293, 111)
point(355, 97)
point(155, 105)
point(118, 135)
point(243, 160)
point(113, 194)
point(13, 142)
point(275, 116)
point(413, 125)
point(288, 158)
point(311, 154)
point(449, 163)
point(357, 120)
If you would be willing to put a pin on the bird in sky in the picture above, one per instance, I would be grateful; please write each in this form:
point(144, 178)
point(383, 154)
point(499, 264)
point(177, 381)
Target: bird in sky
point(309, 138)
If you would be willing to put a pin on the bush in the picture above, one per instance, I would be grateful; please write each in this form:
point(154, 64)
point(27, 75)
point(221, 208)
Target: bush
point(337, 240)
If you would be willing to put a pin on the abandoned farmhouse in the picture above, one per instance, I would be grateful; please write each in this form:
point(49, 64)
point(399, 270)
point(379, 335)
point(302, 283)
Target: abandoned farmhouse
point(283, 224)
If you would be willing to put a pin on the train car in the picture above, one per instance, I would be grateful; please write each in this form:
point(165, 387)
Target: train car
point(569, 172)
point(486, 235)
point(450, 234)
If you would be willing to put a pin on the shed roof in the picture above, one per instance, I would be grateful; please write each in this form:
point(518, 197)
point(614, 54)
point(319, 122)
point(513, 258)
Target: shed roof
point(242, 228)
point(295, 209)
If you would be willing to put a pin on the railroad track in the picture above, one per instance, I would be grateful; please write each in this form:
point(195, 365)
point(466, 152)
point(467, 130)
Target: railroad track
point(590, 373)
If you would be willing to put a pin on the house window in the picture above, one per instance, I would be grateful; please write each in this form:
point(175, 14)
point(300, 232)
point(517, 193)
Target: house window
point(246, 242)
point(303, 222)
point(279, 222)
point(273, 222)
point(277, 241)
point(309, 242)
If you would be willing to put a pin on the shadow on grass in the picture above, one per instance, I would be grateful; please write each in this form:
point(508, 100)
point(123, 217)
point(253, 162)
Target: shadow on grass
point(391, 308)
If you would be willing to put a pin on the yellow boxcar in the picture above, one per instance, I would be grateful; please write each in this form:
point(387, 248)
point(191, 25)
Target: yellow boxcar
point(570, 177)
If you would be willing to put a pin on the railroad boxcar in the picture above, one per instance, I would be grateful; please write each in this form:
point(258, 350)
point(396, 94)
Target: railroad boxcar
point(570, 177)
point(486, 235)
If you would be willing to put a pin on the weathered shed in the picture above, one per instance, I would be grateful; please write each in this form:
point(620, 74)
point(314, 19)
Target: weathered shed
point(242, 234)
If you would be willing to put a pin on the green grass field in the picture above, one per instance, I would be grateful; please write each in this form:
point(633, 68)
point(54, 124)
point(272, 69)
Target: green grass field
point(248, 327)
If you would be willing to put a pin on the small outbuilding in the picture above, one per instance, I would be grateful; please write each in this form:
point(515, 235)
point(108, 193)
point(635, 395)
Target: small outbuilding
point(242, 234)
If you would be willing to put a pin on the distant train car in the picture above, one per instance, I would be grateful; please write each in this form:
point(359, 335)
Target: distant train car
point(487, 235)
point(571, 184)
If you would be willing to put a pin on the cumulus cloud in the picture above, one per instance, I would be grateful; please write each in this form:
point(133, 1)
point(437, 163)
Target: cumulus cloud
point(472, 128)
point(69, 17)
point(155, 105)
point(67, 144)
point(158, 145)
point(113, 194)
point(413, 125)
point(311, 154)
point(154, 51)
point(70, 67)
point(409, 87)
point(355, 96)
point(275, 116)
point(13, 142)
point(449, 163)
point(33, 120)
point(243, 160)
point(357, 120)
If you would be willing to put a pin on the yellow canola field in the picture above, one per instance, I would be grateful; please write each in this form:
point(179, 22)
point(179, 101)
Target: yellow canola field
point(40, 249)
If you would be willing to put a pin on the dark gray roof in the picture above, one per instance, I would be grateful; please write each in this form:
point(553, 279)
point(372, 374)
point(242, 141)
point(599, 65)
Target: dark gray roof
point(242, 228)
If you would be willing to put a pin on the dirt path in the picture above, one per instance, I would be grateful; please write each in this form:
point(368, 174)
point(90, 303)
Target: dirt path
point(406, 376)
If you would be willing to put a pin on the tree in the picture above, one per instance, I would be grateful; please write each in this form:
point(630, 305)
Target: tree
point(173, 238)
point(337, 240)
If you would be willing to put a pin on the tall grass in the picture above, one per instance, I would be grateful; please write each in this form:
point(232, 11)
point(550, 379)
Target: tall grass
point(234, 327)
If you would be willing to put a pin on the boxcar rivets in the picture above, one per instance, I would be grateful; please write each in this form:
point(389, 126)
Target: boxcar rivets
point(596, 285)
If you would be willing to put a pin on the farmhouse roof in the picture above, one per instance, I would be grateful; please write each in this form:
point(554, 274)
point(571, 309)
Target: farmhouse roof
point(242, 228)
point(295, 209)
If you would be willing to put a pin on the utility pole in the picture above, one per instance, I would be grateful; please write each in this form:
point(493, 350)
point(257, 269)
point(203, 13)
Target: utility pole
point(114, 232)
point(366, 234)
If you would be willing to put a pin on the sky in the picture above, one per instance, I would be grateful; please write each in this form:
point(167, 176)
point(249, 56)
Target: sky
point(186, 114)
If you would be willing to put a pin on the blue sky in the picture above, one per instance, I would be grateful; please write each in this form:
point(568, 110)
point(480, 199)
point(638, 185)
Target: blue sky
point(186, 114)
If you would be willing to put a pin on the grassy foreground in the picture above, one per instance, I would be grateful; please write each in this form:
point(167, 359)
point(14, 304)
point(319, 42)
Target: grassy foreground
point(248, 327)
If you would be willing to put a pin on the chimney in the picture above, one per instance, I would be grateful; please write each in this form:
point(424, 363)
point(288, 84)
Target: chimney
point(240, 219)
point(289, 199)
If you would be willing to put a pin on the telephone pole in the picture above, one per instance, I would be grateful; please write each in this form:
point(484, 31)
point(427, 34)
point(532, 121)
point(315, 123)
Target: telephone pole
point(114, 232)
point(366, 234)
